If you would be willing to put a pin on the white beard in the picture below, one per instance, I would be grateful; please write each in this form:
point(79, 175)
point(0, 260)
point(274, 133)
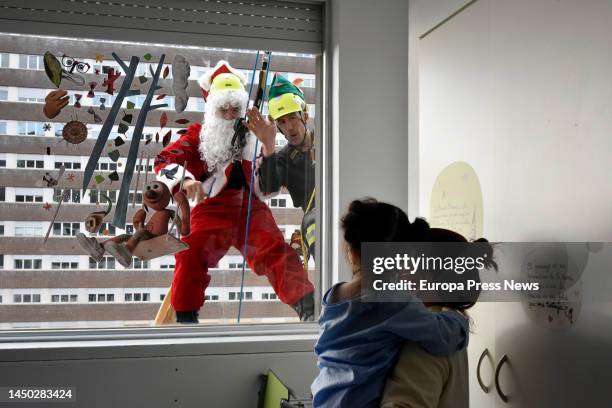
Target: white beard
point(217, 133)
point(216, 142)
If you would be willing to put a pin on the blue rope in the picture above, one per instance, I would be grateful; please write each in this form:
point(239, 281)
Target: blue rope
point(248, 221)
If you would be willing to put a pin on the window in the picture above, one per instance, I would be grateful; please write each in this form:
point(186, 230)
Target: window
point(107, 229)
point(64, 265)
point(31, 128)
point(3, 95)
point(28, 229)
point(70, 195)
point(138, 197)
point(1, 230)
point(26, 298)
point(31, 62)
point(2, 163)
point(106, 262)
point(64, 298)
point(30, 164)
point(66, 229)
point(95, 196)
point(101, 297)
point(31, 95)
point(28, 195)
point(4, 60)
point(68, 165)
point(268, 296)
point(137, 296)
point(137, 263)
point(236, 295)
point(28, 263)
point(2, 194)
point(59, 257)
point(278, 203)
point(106, 166)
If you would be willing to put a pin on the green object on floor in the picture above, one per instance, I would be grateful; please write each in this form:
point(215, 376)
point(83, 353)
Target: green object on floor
point(275, 391)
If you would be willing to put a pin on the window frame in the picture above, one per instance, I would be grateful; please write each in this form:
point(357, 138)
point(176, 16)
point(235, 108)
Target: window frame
point(301, 332)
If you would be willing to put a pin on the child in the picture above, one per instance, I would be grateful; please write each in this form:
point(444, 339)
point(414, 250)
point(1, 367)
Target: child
point(359, 341)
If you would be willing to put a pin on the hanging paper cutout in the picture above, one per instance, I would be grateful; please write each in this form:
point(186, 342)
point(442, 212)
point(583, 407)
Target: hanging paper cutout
point(147, 57)
point(109, 81)
point(114, 176)
point(114, 155)
point(181, 121)
point(163, 120)
point(99, 178)
point(166, 72)
point(180, 75)
point(169, 173)
point(92, 86)
point(71, 64)
point(119, 141)
point(74, 132)
point(55, 101)
point(47, 127)
point(99, 58)
point(142, 79)
point(102, 100)
point(166, 139)
point(77, 100)
point(160, 97)
point(97, 118)
point(130, 105)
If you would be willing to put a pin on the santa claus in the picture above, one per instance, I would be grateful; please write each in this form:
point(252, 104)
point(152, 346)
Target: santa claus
point(218, 177)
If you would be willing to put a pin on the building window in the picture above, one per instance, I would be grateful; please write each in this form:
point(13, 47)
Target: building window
point(211, 298)
point(138, 197)
point(2, 194)
point(95, 196)
point(106, 166)
point(2, 128)
point(31, 62)
point(107, 229)
point(64, 265)
point(1, 230)
point(148, 168)
point(137, 297)
point(68, 165)
point(4, 60)
point(28, 263)
point(278, 202)
point(101, 297)
point(28, 198)
point(3, 95)
point(30, 128)
point(107, 262)
point(28, 230)
point(64, 298)
point(66, 229)
point(31, 95)
point(236, 295)
point(30, 164)
point(26, 298)
point(138, 263)
point(70, 195)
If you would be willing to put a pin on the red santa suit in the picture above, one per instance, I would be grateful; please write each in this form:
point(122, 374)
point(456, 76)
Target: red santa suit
point(219, 222)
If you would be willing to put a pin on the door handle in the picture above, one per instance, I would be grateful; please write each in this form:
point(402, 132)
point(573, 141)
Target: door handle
point(482, 357)
point(501, 394)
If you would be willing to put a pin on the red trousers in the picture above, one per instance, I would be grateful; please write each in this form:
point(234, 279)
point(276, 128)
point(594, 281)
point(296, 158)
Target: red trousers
point(218, 223)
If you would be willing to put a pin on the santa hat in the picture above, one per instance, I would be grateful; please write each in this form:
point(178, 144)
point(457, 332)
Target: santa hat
point(222, 72)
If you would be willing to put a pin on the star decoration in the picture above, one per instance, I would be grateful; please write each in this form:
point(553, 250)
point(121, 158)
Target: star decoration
point(47, 127)
point(99, 57)
point(47, 207)
point(70, 177)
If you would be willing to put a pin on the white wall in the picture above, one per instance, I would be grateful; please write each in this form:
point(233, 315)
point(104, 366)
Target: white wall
point(368, 51)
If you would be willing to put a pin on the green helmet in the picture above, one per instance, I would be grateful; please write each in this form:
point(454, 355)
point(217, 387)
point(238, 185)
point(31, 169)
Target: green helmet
point(285, 98)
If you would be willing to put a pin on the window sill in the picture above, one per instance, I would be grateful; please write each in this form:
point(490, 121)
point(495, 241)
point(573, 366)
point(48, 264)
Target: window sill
point(43, 345)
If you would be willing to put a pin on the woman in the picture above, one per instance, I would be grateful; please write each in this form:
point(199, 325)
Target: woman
point(360, 340)
point(422, 380)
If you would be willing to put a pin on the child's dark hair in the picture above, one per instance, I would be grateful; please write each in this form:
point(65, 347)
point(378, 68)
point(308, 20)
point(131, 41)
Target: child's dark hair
point(369, 220)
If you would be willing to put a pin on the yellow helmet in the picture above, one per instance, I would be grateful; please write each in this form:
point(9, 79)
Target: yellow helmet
point(225, 81)
point(285, 104)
